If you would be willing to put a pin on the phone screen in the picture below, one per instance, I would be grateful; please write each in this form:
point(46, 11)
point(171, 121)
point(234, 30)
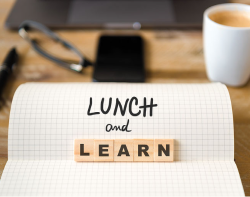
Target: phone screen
point(119, 59)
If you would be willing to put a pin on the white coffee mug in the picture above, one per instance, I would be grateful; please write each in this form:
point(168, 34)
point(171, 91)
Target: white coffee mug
point(226, 48)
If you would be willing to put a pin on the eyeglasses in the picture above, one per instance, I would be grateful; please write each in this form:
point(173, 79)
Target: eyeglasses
point(28, 26)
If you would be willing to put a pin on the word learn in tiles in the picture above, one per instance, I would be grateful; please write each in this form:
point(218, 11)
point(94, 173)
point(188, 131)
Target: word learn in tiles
point(124, 150)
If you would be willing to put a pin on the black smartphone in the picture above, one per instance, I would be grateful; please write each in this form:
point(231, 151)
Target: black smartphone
point(119, 59)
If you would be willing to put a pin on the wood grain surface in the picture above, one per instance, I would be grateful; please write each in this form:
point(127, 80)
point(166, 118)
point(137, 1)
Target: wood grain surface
point(171, 56)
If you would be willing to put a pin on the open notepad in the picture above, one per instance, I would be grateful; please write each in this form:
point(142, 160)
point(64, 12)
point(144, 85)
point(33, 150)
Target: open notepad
point(46, 118)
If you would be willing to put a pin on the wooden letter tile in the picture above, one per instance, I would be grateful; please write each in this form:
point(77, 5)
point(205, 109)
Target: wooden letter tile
point(164, 150)
point(84, 150)
point(143, 150)
point(123, 150)
point(104, 150)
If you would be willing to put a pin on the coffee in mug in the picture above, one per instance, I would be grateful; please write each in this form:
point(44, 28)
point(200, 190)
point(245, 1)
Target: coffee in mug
point(226, 36)
point(231, 18)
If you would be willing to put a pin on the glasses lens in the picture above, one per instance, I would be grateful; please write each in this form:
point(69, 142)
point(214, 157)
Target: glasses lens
point(52, 47)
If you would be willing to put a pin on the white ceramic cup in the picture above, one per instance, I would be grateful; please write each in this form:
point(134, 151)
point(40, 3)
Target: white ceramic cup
point(226, 49)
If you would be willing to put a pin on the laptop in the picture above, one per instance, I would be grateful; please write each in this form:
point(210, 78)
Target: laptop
point(128, 14)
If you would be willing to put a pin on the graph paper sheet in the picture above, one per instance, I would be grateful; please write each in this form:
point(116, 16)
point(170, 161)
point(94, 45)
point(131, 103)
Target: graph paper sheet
point(46, 118)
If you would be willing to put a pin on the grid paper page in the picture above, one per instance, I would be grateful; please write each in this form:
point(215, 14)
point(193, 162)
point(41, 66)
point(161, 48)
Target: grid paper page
point(69, 178)
point(47, 117)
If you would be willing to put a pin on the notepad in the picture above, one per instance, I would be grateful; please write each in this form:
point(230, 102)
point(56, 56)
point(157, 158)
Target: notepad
point(46, 118)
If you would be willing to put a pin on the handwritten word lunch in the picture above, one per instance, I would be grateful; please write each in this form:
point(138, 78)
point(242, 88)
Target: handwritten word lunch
point(129, 103)
point(124, 150)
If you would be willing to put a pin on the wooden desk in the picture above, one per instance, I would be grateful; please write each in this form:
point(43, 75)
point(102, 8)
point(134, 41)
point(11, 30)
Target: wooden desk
point(171, 57)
